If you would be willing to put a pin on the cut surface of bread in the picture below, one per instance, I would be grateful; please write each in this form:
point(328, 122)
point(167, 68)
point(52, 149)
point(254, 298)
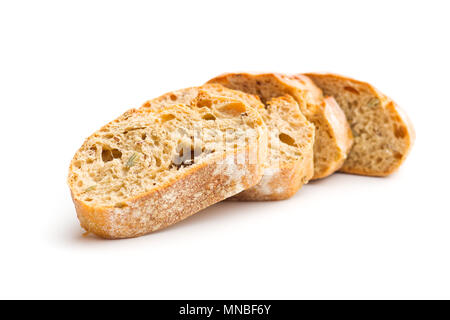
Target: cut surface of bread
point(187, 95)
point(149, 169)
point(383, 134)
point(290, 161)
point(333, 137)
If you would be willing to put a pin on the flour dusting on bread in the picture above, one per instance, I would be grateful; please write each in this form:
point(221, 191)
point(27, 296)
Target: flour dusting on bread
point(147, 165)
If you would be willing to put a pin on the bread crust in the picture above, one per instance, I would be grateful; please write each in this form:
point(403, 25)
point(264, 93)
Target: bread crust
point(197, 187)
point(176, 200)
point(329, 119)
point(392, 110)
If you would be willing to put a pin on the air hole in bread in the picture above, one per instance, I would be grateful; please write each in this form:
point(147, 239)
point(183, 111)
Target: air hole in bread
point(186, 156)
point(144, 136)
point(110, 154)
point(77, 164)
point(120, 205)
point(204, 103)
point(167, 117)
point(287, 139)
point(107, 155)
point(233, 109)
point(400, 132)
point(173, 97)
point(209, 116)
point(351, 89)
point(116, 153)
point(132, 129)
point(155, 139)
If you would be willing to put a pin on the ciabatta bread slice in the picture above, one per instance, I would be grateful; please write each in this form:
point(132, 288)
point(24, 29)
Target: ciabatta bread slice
point(333, 138)
point(149, 169)
point(383, 133)
point(290, 161)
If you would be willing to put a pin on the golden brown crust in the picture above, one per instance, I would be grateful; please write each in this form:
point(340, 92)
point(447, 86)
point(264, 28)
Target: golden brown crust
point(390, 109)
point(222, 175)
point(329, 120)
point(178, 199)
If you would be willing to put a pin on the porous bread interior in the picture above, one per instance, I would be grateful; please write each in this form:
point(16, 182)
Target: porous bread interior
point(290, 133)
point(381, 139)
point(309, 99)
point(185, 96)
point(144, 149)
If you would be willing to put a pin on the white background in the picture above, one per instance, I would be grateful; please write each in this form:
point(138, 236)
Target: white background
point(68, 67)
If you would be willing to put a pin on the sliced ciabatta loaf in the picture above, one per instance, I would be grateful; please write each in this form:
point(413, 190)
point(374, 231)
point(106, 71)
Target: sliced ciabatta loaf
point(290, 161)
point(383, 134)
point(333, 137)
point(149, 169)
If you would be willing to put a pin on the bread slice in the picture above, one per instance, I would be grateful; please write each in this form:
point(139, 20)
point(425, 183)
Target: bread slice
point(333, 137)
point(383, 133)
point(149, 169)
point(290, 161)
